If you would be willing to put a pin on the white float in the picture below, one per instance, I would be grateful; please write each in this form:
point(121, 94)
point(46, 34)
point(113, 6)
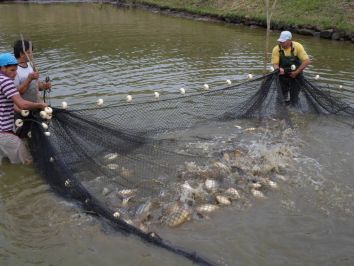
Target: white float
point(64, 105)
point(48, 110)
point(24, 113)
point(19, 122)
point(99, 102)
point(45, 126)
point(43, 114)
point(129, 98)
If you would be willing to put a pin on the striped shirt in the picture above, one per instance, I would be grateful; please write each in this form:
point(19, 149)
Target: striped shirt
point(7, 90)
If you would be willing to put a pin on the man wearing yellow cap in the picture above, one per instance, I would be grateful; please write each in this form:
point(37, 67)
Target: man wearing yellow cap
point(291, 59)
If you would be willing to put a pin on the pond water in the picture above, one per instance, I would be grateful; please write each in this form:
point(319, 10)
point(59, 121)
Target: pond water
point(91, 51)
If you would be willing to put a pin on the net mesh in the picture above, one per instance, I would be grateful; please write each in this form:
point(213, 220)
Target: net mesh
point(160, 162)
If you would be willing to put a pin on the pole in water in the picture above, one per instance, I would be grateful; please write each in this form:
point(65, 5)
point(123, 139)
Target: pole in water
point(47, 79)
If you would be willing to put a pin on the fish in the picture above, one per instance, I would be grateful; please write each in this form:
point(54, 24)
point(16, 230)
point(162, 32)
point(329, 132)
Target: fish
point(226, 156)
point(221, 166)
point(187, 186)
point(177, 218)
point(110, 156)
point(255, 185)
point(171, 208)
point(112, 166)
point(272, 184)
point(105, 191)
point(143, 211)
point(256, 169)
point(232, 193)
point(232, 155)
point(137, 224)
point(281, 177)
point(67, 183)
point(99, 178)
point(127, 192)
point(249, 129)
point(191, 167)
point(206, 208)
point(256, 193)
point(129, 221)
point(223, 200)
point(211, 185)
point(219, 170)
point(126, 200)
point(126, 172)
point(143, 227)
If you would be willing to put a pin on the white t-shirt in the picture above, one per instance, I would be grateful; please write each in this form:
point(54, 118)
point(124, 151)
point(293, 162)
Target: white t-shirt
point(31, 94)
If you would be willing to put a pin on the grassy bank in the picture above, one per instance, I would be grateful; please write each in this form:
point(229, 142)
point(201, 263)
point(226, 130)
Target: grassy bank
point(321, 14)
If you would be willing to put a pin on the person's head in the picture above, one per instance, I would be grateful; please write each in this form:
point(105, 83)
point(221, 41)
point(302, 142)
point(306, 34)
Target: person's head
point(8, 65)
point(18, 49)
point(285, 39)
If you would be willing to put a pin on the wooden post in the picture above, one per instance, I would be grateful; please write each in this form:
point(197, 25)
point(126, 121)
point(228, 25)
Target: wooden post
point(269, 14)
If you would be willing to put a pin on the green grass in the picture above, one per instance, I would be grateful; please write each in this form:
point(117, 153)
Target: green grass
point(325, 14)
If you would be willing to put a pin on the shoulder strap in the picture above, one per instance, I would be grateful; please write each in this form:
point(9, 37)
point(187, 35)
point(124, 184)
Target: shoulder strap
point(281, 51)
point(292, 49)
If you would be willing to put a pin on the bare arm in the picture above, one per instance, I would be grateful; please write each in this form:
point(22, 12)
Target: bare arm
point(17, 110)
point(44, 85)
point(281, 70)
point(26, 105)
point(25, 85)
point(303, 65)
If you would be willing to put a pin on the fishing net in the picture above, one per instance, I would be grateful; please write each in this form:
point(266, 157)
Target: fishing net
point(164, 160)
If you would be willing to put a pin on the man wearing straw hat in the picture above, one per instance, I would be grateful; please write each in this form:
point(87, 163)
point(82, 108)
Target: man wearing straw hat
point(11, 145)
point(291, 59)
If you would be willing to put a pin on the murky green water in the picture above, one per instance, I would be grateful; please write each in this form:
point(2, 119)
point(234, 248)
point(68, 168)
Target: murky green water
point(90, 51)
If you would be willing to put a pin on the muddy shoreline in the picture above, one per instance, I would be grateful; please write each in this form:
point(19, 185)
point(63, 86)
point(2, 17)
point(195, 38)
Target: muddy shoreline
point(309, 30)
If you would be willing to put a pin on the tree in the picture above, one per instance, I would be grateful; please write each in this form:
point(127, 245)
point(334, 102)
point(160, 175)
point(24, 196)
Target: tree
point(269, 14)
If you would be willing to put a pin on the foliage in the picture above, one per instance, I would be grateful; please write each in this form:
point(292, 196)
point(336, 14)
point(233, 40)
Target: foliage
point(321, 13)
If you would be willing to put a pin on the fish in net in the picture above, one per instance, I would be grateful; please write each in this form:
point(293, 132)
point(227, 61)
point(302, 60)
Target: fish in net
point(146, 163)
